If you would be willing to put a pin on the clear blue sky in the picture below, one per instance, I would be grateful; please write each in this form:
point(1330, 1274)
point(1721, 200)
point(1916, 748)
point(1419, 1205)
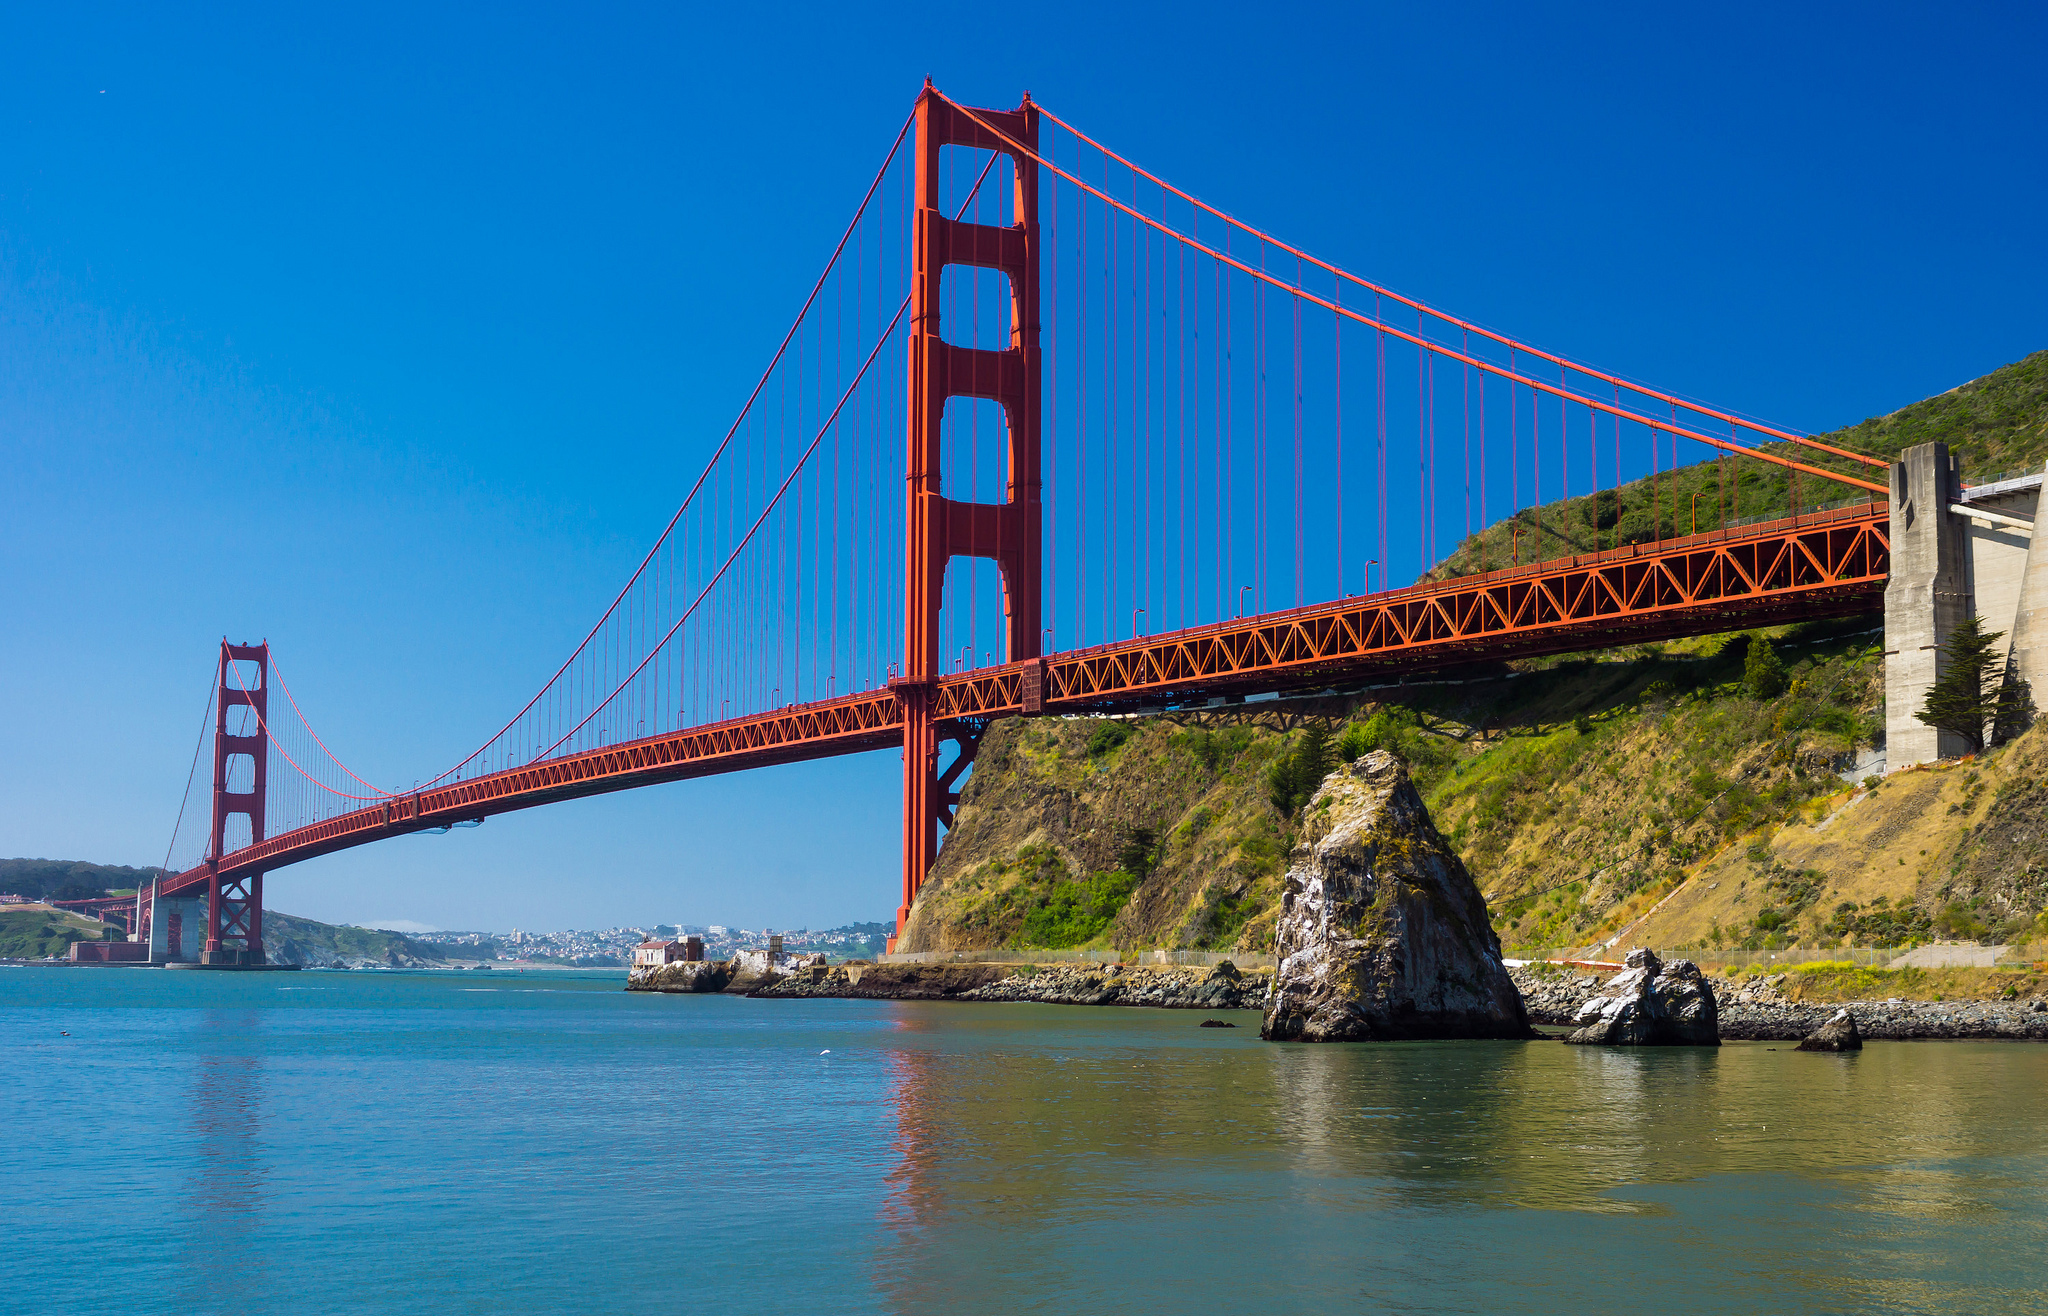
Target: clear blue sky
point(394, 334)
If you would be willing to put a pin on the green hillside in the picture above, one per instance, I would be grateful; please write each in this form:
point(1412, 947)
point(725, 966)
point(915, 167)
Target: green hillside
point(288, 939)
point(1580, 790)
point(69, 879)
point(34, 934)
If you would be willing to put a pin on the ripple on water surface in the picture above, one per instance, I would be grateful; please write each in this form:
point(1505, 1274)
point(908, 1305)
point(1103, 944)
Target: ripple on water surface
point(413, 1142)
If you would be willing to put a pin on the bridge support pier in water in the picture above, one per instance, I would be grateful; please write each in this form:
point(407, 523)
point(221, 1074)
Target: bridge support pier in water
point(938, 529)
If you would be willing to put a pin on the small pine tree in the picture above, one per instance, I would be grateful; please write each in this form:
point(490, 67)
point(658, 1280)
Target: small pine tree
point(1762, 671)
point(1295, 777)
point(1283, 784)
point(1967, 693)
point(1139, 848)
point(1314, 757)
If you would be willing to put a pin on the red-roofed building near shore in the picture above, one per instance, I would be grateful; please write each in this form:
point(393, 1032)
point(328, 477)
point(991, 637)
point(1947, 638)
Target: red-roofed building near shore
point(654, 954)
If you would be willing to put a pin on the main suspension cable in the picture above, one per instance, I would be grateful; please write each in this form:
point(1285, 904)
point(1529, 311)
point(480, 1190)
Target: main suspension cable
point(1425, 344)
point(1422, 308)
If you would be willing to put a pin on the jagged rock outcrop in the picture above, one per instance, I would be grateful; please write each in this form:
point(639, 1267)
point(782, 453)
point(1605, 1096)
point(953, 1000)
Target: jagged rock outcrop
point(1837, 1034)
point(1753, 1010)
point(1651, 1003)
point(1382, 933)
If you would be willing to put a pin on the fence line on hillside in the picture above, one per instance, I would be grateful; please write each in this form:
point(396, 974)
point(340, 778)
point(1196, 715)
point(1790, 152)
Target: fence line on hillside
point(1205, 959)
point(1786, 957)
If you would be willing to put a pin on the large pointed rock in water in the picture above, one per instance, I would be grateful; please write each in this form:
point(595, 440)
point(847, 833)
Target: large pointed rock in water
point(1382, 934)
point(1651, 1003)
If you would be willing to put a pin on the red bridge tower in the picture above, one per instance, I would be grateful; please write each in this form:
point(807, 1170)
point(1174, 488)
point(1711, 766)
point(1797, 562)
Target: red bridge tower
point(234, 904)
point(937, 528)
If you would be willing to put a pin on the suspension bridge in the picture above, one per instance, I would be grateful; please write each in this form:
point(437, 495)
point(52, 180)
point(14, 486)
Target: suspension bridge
point(1052, 436)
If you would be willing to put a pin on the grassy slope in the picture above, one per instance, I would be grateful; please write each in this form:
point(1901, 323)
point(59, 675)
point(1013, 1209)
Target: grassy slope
point(32, 934)
point(1043, 812)
point(1581, 793)
point(1604, 781)
point(1954, 851)
point(1831, 982)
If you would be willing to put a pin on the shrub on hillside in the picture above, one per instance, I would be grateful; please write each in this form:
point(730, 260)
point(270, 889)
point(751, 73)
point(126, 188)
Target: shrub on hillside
point(1293, 779)
point(1398, 731)
point(1106, 737)
point(1763, 672)
point(1076, 912)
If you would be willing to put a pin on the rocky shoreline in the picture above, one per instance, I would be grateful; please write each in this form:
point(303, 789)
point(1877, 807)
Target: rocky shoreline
point(1168, 988)
point(1755, 1010)
point(1751, 1009)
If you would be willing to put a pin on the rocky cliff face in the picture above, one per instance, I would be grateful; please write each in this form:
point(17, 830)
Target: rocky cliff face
point(1058, 812)
point(1381, 932)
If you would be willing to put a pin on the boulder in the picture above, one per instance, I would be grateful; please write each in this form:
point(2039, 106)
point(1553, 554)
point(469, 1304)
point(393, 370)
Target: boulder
point(1837, 1034)
point(1651, 1003)
point(1382, 933)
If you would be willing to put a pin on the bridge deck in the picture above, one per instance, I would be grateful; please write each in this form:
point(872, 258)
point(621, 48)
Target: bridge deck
point(1820, 565)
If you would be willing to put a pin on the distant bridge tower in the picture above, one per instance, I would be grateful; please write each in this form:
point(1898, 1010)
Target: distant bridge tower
point(234, 904)
point(937, 528)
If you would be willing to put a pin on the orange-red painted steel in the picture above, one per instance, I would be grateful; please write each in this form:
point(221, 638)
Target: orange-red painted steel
point(234, 898)
point(1827, 564)
point(938, 528)
point(850, 724)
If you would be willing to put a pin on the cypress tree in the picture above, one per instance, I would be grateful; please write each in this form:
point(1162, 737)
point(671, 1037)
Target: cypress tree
point(2014, 710)
point(1314, 759)
point(1283, 784)
point(1762, 671)
point(1966, 694)
point(1294, 778)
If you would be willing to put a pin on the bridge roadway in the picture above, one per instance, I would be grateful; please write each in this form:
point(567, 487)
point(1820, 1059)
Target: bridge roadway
point(1818, 565)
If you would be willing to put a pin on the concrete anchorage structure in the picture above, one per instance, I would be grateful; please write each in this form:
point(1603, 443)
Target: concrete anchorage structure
point(1956, 553)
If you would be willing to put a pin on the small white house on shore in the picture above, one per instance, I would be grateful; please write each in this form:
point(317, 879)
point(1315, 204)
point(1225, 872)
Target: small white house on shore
point(654, 954)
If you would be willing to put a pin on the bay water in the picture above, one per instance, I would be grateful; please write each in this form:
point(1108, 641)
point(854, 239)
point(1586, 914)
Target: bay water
point(544, 1141)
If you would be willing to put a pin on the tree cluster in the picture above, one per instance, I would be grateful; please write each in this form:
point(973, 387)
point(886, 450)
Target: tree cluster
point(1293, 780)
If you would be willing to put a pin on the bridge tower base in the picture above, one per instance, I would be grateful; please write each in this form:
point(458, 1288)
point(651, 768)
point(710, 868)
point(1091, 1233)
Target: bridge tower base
point(936, 528)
